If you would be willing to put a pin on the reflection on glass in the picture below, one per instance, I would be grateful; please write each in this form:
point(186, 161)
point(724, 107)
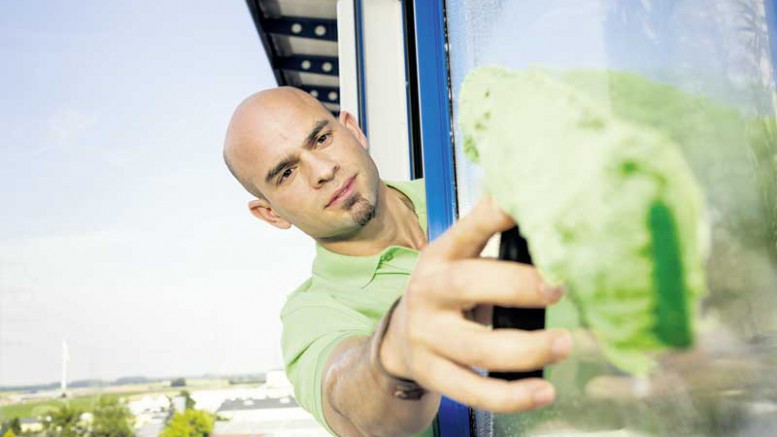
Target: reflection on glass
point(701, 73)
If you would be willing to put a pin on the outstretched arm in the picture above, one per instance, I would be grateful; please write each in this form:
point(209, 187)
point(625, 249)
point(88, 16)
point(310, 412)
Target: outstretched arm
point(358, 399)
point(431, 340)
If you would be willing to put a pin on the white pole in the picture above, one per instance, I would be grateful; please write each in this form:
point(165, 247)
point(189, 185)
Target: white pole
point(65, 359)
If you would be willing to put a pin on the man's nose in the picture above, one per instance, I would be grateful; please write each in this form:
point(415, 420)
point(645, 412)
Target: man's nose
point(322, 169)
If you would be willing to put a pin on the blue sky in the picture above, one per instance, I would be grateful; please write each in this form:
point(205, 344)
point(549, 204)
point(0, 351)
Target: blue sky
point(122, 232)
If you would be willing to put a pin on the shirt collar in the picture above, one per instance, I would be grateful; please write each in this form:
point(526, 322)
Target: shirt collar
point(359, 270)
point(416, 192)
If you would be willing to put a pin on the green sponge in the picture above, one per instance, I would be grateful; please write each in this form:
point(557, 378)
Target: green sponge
point(608, 206)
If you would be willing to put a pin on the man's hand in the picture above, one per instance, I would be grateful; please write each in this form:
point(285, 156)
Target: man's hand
point(430, 339)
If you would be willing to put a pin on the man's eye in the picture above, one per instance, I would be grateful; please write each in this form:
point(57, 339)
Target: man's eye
point(286, 173)
point(323, 138)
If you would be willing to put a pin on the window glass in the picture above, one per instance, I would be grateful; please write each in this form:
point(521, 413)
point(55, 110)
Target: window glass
point(706, 75)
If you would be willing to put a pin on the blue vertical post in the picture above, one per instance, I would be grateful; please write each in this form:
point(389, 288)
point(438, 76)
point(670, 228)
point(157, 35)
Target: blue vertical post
point(439, 172)
point(435, 115)
point(771, 25)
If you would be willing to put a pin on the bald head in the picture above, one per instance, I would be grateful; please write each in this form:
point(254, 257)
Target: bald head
point(259, 120)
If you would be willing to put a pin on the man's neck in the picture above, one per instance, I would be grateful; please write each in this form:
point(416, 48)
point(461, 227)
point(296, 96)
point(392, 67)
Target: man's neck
point(395, 224)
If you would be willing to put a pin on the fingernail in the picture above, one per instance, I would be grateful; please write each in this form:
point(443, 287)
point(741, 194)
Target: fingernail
point(562, 345)
point(552, 293)
point(543, 396)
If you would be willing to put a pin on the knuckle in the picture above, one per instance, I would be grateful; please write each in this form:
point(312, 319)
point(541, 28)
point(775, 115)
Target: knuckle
point(414, 291)
point(544, 348)
point(493, 216)
point(517, 281)
point(479, 403)
point(532, 360)
point(456, 282)
point(416, 333)
point(518, 352)
point(430, 374)
point(426, 256)
point(478, 355)
point(497, 401)
point(411, 362)
point(520, 279)
point(505, 403)
point(533, 352)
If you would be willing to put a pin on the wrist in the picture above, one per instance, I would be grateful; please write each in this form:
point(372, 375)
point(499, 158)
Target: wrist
point(389, 356)
point(400, 386)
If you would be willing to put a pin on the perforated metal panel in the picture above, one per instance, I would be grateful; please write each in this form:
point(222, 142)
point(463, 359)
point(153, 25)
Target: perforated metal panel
point(300, 40)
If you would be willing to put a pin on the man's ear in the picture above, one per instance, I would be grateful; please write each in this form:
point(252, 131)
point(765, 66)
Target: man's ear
point(349, 121)
point(262, 210)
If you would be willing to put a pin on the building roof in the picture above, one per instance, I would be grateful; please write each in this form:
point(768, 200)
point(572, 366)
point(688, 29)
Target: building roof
point(240, 404)
point(300, 41)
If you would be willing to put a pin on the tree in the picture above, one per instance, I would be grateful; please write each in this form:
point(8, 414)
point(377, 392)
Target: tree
point(178, 382)
point(13, 426)
point(190, 403)
point(189, 423)
point(111, 418)
point(65, 422)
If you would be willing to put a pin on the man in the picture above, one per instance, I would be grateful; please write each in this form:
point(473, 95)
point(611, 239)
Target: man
point(362, 366)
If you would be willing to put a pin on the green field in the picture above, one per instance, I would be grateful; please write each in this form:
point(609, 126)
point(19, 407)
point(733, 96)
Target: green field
point(86, 401)
point(39, 408)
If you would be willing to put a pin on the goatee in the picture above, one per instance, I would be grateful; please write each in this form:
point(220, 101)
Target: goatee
point(361, 209)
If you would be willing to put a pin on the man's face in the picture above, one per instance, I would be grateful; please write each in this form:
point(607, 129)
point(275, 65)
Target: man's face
point(312, 169)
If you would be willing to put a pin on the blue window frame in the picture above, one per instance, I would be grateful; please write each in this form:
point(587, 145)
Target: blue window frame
point(771, 22)
point(438, 162)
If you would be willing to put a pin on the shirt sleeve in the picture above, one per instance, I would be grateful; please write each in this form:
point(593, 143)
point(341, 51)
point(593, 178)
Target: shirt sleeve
point(312, 328)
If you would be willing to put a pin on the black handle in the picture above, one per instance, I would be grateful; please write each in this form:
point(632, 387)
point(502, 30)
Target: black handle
point(513, 247)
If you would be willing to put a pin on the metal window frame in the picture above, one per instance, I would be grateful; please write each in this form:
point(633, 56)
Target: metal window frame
point(411, 89)
point(360, 75)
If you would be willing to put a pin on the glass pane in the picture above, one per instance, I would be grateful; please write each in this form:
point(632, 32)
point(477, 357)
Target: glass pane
point(701, 73)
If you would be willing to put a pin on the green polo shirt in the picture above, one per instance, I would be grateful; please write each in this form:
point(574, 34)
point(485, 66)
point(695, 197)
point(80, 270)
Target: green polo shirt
point(345, 297)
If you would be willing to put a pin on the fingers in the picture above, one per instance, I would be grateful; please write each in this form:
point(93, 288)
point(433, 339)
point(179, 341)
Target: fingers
point(486, 393)
point(470, 344)
point(447, 280)
point(468, 236)
point(465, 283)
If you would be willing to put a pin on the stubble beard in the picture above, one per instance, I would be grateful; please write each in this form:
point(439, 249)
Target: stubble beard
point(361, 209)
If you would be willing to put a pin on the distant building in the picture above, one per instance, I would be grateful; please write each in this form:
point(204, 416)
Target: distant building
point(265, 417)
point(149, 404)
point(150, 413)
point(31, 425)
point(212, 400)
point(267, 410)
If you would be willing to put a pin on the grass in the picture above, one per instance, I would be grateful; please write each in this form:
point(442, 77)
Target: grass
point(86, 400)
point(39, 408)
